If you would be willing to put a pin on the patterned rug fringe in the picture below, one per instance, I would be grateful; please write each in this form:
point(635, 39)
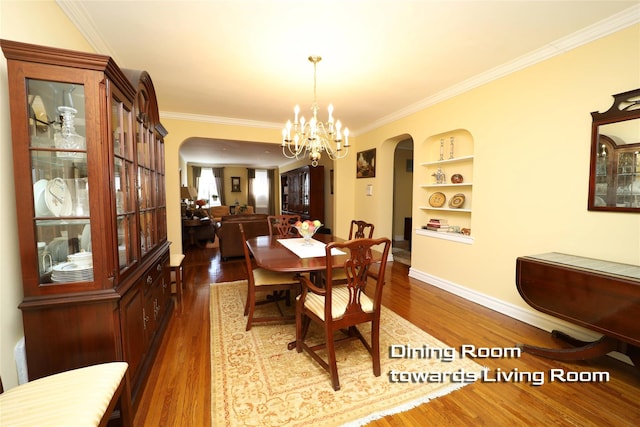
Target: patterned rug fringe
point(405, 407)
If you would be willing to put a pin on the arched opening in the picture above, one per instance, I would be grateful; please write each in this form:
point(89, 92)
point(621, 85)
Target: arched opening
point(402, 199)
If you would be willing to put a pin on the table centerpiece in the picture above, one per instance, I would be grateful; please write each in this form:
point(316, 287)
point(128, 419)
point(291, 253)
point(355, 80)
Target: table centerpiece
point(307, 229)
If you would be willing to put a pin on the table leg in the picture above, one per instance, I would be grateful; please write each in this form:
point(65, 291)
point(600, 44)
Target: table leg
point(582, 350)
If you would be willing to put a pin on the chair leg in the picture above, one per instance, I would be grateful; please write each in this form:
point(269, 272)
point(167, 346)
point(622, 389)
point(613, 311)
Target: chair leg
point(302, 326)
point(331, 353)
point(375, 346)
point(246, 304)
point(126, 412)
point(250, 307)
point(298, 328)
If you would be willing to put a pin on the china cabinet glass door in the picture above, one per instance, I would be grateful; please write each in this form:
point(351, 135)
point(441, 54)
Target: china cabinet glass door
point(58, 154)
point(160, 195)
point(146, 181)
point(121, 121)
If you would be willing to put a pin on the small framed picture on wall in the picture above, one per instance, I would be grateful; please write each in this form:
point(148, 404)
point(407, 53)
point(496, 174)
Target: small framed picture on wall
point(235, 184)
point(366, 164)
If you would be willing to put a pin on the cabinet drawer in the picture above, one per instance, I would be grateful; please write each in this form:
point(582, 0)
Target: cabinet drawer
point(152, 275)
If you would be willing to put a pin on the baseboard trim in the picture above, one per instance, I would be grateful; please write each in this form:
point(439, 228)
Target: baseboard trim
point(530, 317)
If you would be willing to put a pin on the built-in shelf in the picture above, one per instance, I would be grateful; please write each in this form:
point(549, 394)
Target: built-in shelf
point(454, 160)
point(439, 189)
point(462, 184)
point(454, 237)
point(429, 208)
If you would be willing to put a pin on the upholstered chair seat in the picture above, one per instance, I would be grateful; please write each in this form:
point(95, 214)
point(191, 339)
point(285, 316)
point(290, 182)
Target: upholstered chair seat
point(79, 397)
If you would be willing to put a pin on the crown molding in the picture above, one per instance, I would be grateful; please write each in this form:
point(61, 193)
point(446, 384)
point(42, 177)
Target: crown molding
point(218, 120)
point(78, 15)
point(614, 23)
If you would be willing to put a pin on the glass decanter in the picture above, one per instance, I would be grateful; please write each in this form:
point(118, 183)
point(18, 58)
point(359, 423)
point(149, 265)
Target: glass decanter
point(67, 138)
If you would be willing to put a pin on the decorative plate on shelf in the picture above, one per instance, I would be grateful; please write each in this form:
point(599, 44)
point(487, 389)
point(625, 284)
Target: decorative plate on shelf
point(437, 199)
point(456, 201)
point(456, 178)
point(58, 197)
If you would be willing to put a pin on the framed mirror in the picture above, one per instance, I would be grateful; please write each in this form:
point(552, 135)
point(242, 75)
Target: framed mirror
point(614, 174)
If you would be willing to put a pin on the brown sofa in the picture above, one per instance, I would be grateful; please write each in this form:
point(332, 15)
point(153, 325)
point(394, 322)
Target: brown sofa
point(229, 233)
point(217, 212)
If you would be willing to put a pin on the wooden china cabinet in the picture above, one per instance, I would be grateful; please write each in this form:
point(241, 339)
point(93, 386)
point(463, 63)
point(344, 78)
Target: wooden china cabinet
point(302, 192)
point(90, 195)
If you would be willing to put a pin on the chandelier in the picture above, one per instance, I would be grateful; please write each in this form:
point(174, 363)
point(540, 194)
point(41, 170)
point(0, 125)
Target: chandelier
point(310, 138)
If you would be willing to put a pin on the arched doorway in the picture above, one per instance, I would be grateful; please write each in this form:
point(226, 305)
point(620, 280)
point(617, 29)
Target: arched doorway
point(402, 200)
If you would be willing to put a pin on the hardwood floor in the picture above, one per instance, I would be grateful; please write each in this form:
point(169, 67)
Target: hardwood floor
point(178, 390)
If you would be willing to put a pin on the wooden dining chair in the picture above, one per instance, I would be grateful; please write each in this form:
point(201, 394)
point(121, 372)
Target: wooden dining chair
point(283, 225)
point(359, 230)
point(278, 284)
point(343, 307)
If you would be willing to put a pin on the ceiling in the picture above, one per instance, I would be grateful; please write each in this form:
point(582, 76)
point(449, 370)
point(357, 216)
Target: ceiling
point(245, 62)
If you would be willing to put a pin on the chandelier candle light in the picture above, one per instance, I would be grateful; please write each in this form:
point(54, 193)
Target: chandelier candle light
point(302, 138)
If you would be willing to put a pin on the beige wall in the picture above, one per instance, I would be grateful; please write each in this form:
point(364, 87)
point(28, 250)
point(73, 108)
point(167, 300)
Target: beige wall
point(531, 136)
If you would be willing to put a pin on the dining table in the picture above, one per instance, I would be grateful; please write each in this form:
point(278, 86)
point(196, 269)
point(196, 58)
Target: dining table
point(275, 253)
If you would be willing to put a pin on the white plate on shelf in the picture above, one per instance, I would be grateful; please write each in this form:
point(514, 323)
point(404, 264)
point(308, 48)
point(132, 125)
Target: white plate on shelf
point(38, 198)
point(85, 238)
point(71, 272)
point(58, 197)
point(71, 266)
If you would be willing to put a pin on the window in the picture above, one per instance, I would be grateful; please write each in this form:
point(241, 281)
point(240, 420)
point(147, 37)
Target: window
point(261, 191)
point(207, 188)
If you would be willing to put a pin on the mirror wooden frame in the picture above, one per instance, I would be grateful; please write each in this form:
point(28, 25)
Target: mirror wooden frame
point(614, 173)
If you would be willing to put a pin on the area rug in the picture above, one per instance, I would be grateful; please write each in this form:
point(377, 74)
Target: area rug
point(256, 381)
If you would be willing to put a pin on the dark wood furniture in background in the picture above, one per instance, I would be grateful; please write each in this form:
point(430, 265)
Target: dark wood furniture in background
point(599, 295)
point(196, 230)
point(104, 170)
point(303, 192)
